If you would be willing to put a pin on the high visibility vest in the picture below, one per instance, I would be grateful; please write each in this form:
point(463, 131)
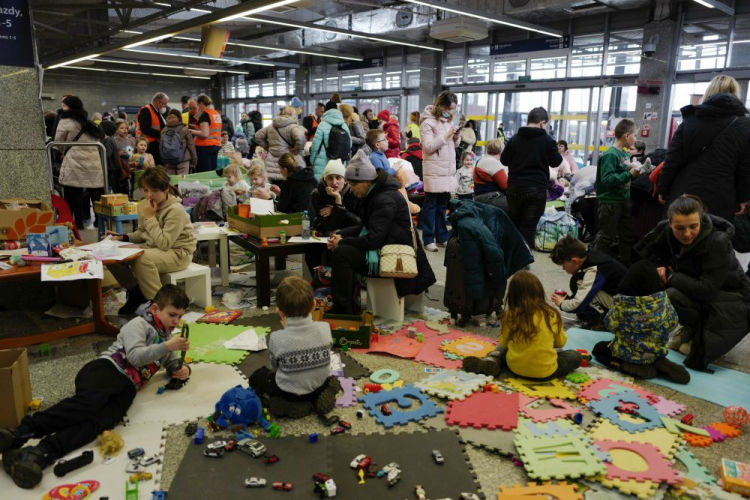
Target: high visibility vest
point(214, 130)
point(155, 123)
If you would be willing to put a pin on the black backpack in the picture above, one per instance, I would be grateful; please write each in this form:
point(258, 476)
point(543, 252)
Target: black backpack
point(339, 144)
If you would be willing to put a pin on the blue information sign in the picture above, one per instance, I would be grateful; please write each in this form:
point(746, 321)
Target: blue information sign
point(375, 62)
point(16, 43)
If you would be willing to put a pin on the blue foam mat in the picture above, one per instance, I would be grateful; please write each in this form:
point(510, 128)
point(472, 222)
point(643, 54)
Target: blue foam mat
point(719, 387)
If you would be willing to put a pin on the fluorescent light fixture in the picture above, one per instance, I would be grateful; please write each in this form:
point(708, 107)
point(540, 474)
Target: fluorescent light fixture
point(703, 3)
point(484, 17)
point(148, 40)
point(709, 38)
point(132, 32)
point(172, 66)
point(741, 41)
point(193, 56)
point(278, 49)
point(256, 10)
point(130, 72)
point(321, 27)
point(72, 61)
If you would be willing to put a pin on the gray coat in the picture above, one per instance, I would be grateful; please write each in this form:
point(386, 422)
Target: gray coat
point(284, 135)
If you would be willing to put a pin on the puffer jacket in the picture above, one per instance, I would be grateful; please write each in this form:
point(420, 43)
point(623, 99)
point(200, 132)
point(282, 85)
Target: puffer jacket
point(170, 229)
point(284, 135)
point(342, 216)
point(439, 163)
point(708, 272)
point(318, 155)
point(491, 246)
point(81, 167)
point(357, 133)
point(393, 135)
point(720, 175)
point(641, 326)
point(384, 214)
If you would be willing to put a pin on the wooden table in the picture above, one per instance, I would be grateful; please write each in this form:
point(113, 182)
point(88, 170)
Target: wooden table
point(262, 261)
point(98, 325)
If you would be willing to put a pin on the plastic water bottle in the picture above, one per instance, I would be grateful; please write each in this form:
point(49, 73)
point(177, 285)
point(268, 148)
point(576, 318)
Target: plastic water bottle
point(305, 226)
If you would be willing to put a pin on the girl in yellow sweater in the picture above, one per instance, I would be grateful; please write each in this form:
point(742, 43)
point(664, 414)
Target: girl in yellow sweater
point(531, 331)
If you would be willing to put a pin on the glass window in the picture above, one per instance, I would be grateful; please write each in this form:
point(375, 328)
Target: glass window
point(232, 84)
point(703, 45)
point(316, 77)
point(241, 87)
point(392, 104)
point(412, 70)
point(372, 103)
point(587, 55)
point(292, 82)
point(267, 89)
point(332, 76)
point(479, 65)
point(281, 83)
point(741, 43)
point(548, 68)
point(349, 83)
point(624, 52)
point(393, 68)
point(684, 94)
point(372, 81)
point(454, 66)
point(506, 71)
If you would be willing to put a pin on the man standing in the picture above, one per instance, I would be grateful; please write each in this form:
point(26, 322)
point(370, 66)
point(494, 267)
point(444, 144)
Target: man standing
point(311, 122)
point(184, 101)
point(190, 115)
point(150, 122)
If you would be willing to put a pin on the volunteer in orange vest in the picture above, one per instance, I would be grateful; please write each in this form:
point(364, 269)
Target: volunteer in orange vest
point(150, 123)
point(207, 134)
point(311, 122)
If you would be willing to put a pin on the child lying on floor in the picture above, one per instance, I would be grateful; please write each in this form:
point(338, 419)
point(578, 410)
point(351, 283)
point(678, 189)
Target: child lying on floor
point(298, 380)
point(641, 319)
point(531, 331)
point(105, 389)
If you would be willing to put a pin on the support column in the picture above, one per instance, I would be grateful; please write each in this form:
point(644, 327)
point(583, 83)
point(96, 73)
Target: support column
point(430, 63)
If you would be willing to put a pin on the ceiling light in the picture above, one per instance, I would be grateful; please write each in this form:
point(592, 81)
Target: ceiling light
point(172, 66)
point(130, 72)
point(717, 4)
point(181, 76)
point(148, 40)
point(66, 63)
point(704, 3)
point(256, 10)
point(279, 49)
point(192, 56)
point(484, 17)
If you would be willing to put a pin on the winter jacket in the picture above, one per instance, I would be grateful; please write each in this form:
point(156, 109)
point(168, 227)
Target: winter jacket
point(413, 128)
point(170, 229)
point(81, 166)
point(385, 215)
point(720, 175)
point(528, 155)
point(439, 165)
point(342, 216)
point(357, 133)
point(393, 134)
point(256, 118)
point(318, 154)
point(491, 247)
point(310, 122)
point(295, 192)
point(708, 272)
point(572, 163)
point(594, 285)
point(490, 176)
point(247, 128)
point(227, 125)
point(641, 326)
point(468, 138)
point(413, 155)
point(282, 136)
point(613, 177)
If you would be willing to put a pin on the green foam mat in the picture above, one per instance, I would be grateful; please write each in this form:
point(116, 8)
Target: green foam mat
point(207, 343)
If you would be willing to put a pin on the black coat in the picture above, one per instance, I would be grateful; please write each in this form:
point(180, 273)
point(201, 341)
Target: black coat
point(528, 155)
point(708, 272)
point(720, 175)
point(295, 192)
point(342, 216)
point(386, 216)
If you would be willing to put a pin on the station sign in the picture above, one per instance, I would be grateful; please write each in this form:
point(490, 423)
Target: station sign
point(536, 48)
point(16, 41)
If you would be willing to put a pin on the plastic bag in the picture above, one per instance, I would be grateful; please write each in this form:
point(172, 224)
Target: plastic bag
point(552, 227)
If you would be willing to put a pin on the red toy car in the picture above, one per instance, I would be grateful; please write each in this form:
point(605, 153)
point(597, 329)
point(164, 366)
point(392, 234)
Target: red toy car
point(278, 485)
point(319, 477)
point(271, 460)
point(386, 410)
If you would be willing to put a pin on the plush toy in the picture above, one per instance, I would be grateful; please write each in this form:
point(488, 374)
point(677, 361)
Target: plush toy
point(17, 260)
point(109, 443)
point(137, 161)
point(238, 408)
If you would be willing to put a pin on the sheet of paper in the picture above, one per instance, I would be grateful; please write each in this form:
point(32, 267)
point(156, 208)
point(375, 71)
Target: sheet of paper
point(261, 207)
point(72, 271)
point(247, 341)
point(66, 312)
point(17, 251)
point(192, 317)
point(117, 243)
point(124, 253)
point(312, 239)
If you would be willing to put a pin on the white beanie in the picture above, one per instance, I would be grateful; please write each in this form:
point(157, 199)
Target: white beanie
point(334, 167)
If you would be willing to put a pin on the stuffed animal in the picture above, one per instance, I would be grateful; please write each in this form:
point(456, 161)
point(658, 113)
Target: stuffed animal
point(238, 408)
point(109, 443)
point(137, 161)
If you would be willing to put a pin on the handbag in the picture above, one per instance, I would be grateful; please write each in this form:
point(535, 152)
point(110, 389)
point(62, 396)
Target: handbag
point(400, 261)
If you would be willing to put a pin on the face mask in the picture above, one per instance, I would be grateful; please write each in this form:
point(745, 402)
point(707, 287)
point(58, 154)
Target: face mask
point(162, 110)
point(445, 115)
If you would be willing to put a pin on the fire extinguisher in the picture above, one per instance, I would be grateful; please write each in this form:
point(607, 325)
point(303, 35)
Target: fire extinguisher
point(646, 130)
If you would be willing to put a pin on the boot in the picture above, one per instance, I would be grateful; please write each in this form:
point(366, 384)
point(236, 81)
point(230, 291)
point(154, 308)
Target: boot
point(13, 438)
point(8, 457)
point(26, 467)
point(673, 371)
point(638, 370)
point(280, 407)
point(326, 400)
point(135, 299)
point(485, 366)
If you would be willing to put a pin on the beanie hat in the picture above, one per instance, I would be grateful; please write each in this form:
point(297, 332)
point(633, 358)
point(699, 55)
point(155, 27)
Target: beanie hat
point(73, 102)
point(360, 168)
point(296, 102)
point(334, 167)
point(384, 115)
point(641, 280)
point(109, 127)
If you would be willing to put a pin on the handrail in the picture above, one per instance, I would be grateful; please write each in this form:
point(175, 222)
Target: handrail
point(102, 154)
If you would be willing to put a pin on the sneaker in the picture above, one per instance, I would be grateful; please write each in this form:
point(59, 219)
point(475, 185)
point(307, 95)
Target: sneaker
point(675, 340)
point(442, 243)
point(485, 366)
point(326, 400)
point(134, 301)
point(673, 371)
point(280, 407)
point(638, 370)
point(26, 467)
point(685, 348)
point(431, 247)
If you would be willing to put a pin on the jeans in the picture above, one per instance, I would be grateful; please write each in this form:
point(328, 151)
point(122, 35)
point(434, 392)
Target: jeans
point(207, 158)
point(525, 208)
point(496, 199)
point(346, 261)
point(78, 200)
point(263, 382)
point(616, 224)
point(434, 224)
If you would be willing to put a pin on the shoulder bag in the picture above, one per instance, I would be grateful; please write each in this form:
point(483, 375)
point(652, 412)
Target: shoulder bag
point(400, 261)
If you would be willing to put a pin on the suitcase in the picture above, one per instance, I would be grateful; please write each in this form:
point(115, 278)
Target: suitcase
point(454, 297)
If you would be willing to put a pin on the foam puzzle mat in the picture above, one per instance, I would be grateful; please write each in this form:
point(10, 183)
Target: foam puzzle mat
point(207, 342)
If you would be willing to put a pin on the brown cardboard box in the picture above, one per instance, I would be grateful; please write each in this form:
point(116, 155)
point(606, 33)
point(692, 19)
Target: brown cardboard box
point(15, 386)
point(269, 225)
point(113, 199)
point(213, 41)
point(15, 224)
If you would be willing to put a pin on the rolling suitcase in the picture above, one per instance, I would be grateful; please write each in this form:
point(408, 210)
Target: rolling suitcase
point(454, 297)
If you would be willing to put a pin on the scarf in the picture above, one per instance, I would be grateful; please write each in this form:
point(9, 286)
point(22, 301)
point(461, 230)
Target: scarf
point(372, 256)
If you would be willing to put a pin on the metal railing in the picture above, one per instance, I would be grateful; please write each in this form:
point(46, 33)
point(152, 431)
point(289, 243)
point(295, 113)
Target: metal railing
point(102, 155)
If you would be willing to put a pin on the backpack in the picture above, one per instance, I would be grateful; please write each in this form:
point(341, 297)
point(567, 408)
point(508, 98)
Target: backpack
point(210, 208)
point(552, 227)
point(171, 148)
point(339, 144)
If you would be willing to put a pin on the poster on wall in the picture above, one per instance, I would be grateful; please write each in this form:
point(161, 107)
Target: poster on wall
point(16, 43)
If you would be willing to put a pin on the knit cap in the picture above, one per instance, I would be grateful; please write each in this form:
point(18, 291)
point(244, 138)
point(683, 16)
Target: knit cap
point(296, 102)
point(384, 115)
point(334, 167)
point(360, 168)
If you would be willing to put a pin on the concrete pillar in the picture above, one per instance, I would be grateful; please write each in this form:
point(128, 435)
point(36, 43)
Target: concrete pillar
point(660, 66)
point(429, 77)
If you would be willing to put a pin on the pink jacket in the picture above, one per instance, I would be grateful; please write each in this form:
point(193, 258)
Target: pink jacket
point(439, 163)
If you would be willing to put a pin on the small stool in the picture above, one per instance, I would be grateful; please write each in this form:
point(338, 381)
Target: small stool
point(197, 280)
point(383, 300)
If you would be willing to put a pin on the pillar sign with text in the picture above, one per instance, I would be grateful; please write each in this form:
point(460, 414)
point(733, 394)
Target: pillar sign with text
point(16, 43)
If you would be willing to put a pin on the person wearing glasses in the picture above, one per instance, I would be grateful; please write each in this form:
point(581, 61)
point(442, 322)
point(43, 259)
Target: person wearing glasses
point(150, 123)
point(378, 143)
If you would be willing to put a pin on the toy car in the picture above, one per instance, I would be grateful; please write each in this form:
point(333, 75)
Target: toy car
point(199, 434)
point(271, 460)
point(135, 453)
point(385, 409)
point(468, 496)
point(388, 468)
point(255, 482)
point(146, 461)
point(346, 425)
point(140, 476)
point(279, 485)
point(319, 477)
point(338, 430)
point(217, 453)
point(190, 429)
point(231, 445)
point(254, 448)
point(360, 462)
point(394, 475)
point(419, 493)
point(159, 495)
point(326, 489)
point(216, 445)
point(438, 457)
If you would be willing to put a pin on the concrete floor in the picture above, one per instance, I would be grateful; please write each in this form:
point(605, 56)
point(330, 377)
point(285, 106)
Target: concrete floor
point(53, 379)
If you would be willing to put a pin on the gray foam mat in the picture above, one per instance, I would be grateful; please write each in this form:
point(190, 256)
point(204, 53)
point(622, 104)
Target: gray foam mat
point(498, 441)
point(332, 456)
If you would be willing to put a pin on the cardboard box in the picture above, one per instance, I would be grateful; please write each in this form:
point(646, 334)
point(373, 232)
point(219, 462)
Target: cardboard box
point(114, 199)
point(129, 208)
point(15, 386)
point(353, 330)
point(269, 225)
point(15, 224)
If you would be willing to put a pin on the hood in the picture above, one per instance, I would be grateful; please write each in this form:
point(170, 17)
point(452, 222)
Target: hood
point(303, 175)
point(721, 105)
point(283, 121)
point(334, 117)
point(709, 223)
point(531, 132)
point(414, 150)
point(389, 125)
point(173, 121)
point(171, 200)
point(384, 182)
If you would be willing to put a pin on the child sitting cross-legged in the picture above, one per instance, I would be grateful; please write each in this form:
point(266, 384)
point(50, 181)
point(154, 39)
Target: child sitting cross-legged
point(531, 331)
point(298, 380)
point(104, 390)
point(641, 319)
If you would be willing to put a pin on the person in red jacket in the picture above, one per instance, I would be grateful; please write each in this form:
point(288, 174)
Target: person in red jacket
point(392, 133)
